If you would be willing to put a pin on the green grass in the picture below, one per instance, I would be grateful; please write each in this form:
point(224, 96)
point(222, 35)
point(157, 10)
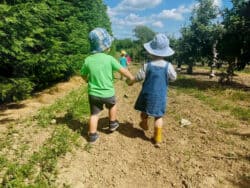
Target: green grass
point(74, 106)
point(246, 70)
point(40, 168)
point(226, 125)
point(219, 98)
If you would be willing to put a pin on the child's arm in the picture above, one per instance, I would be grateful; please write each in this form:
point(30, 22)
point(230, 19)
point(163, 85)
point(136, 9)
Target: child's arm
point(126, 73)
point(141, 74)
point(171, 73)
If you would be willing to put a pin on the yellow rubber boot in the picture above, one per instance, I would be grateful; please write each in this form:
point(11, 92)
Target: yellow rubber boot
point(158, 136)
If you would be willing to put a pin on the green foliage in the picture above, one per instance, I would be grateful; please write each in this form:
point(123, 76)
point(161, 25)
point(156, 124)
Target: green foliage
point(235, 40)
point(125, 44)
point(15, 89)
point(135, 48)
point(198, 38)
point(143, 33)
point(46, 41)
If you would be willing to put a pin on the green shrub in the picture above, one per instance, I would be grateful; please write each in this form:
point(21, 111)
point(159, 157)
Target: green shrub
point(15, 89)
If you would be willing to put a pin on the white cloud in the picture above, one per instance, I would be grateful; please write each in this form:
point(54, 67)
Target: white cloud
point(130, 20)
point(217, 3)
point(110, 12)
point(141, 4)
point(134, 5)
point(128, 14)
point(158, 24)
point(176, 14)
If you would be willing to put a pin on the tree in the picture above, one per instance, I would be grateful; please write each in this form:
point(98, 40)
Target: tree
point(44, 41)
point(234, 44)
point(198, 38)
point(143, 34)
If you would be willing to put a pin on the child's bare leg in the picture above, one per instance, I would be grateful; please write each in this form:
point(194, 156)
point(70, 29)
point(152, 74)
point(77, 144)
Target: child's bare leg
point(113, 123)
point(144, 121)
point(158, 131)
point(112, 113)
point(158, 122)
point(93, 121)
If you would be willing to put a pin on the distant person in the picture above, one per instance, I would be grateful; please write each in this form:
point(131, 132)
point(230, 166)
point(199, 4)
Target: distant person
point(98, 70)
point(128, 59)
point(156, 74)
point(123, 61)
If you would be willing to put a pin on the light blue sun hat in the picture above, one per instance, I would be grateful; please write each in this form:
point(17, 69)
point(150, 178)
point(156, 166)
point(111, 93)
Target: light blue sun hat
point(100, 40)
point(159, 46)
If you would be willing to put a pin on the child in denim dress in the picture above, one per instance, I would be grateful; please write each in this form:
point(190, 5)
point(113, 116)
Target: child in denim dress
point(156, 74)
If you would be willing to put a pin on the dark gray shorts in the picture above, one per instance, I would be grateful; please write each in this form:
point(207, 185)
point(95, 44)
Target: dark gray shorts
point(96, 103)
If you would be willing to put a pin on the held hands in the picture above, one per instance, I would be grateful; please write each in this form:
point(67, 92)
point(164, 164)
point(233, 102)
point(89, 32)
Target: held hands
point(130, 82)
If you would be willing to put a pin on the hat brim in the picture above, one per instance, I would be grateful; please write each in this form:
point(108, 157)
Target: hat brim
point(160, 53)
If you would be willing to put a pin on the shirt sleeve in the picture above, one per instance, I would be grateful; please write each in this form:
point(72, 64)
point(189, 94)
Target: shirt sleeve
point(84, 69)
point(141, 74)
point(171, 72)
point(115, 64)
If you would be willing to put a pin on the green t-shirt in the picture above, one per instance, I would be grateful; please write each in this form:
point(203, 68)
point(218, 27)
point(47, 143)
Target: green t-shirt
point(99, 70)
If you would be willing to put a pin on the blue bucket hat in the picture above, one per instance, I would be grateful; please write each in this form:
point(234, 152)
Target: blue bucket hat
point(159, 46)
point(100, 40)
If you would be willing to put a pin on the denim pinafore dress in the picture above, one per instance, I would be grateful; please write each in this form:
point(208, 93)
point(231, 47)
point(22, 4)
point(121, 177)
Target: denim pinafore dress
point(153, 96)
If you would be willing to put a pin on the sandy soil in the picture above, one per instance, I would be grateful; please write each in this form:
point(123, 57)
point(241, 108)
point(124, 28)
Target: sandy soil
point(199, 155)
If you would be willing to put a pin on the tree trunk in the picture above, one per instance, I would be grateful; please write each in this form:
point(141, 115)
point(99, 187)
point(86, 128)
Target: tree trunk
point(227, 77)
point(190, 68)
point(214, 63)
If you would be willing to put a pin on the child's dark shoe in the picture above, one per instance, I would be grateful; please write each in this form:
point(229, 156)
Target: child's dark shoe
point(113, 125)
point(93, 137)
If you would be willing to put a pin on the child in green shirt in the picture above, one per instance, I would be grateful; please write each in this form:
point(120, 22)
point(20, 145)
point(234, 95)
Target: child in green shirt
point(98, 70)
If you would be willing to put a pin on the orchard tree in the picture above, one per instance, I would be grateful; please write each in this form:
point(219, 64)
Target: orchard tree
point(125, 44)
point(234, 45)
point(143, 34)
point(198, 38)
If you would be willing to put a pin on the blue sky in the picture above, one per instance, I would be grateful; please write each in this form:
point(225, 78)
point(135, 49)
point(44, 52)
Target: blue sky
point(166, 16)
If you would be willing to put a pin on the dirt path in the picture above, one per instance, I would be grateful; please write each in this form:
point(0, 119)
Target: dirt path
point(196, 156)
point(199, 155)
point(17, 111)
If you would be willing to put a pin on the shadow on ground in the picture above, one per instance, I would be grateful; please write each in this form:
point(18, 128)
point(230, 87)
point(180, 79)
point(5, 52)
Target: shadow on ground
point(74, 124)
point(243, 181)
point(6, 120)
point(193, 83)
point(11, 106)
point(126, 128)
